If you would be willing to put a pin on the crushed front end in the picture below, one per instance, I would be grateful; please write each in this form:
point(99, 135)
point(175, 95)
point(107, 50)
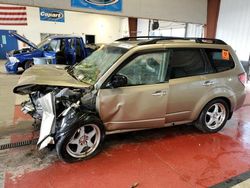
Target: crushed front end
point(12, 64)
point(55, 108)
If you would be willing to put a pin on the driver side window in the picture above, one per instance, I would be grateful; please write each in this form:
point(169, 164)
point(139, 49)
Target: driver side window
point(54, 45)
point(146, 69)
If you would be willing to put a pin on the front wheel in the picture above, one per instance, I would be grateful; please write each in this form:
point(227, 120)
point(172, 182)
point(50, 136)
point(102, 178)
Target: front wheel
point(83, 141)
point(28, 64)
point(213, 117)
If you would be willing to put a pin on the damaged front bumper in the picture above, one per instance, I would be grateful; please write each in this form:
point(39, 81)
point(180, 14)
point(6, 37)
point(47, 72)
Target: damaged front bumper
point(57, 110)
point(48, 124)
point(11, 67)
point(53, 124)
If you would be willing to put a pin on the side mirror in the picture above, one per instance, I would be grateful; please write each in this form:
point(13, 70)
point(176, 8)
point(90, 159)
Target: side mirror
point(118, 81)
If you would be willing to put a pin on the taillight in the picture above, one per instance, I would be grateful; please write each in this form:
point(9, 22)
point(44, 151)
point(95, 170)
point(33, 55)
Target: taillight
point(243, 78)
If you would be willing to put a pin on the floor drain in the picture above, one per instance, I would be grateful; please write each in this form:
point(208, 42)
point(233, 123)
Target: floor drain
point(18, 144)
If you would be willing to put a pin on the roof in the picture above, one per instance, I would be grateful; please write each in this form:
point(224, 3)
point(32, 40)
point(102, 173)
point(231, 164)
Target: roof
point(64, 36)
point(126, 44)
point(143, 40)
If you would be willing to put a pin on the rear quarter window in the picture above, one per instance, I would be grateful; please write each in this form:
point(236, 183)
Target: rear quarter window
point(220, 60)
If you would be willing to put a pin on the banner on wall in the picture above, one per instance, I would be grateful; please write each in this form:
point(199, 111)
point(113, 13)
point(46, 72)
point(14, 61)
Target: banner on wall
point(13, 15)
point(52, 15)
point(108, 5)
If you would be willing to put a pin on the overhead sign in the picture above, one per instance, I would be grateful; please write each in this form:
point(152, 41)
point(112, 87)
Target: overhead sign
point(108, 5)
point(52, 15)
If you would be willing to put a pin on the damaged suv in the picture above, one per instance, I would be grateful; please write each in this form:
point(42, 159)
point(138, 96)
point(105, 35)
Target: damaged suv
point(133, 84)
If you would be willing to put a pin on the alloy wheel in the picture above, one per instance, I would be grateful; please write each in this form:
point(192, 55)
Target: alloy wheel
point(215, 116)
point(84, 141)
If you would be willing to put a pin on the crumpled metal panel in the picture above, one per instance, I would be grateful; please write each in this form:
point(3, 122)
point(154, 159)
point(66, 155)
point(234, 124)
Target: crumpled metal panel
point(49, 75)
point(48, 121)
point(133, 107)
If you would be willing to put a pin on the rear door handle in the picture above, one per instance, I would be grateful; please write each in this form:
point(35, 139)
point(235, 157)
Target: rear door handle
point(160, 93)
point(208, 83)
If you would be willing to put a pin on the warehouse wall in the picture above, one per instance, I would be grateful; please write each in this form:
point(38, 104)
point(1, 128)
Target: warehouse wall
point(194, 11)
point(166, 28)
point(234, 26)
point(106, 28)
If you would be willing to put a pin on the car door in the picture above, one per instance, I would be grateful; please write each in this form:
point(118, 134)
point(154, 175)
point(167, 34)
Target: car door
point(79, 50)
point(71, 51)
point(186, 67)
point(142, 102)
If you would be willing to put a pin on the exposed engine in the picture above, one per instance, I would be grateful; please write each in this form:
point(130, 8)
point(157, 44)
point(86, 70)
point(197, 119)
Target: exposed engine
point(14, 52)
point(63, 99)
point(54, 106)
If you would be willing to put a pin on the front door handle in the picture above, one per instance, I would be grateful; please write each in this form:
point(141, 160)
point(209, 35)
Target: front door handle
point(208, 83)
point(160, 93)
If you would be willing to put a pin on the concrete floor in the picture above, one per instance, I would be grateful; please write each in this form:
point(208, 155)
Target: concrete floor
point(7, 97)
point(171, 157)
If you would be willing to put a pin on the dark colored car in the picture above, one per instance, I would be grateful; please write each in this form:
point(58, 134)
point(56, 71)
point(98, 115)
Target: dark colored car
point(61, 49)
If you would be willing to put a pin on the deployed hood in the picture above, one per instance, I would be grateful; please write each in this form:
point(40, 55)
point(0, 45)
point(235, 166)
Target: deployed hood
point(23, 39)
point(47, 75)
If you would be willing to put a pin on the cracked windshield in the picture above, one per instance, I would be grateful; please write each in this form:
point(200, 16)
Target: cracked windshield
point(93, 67)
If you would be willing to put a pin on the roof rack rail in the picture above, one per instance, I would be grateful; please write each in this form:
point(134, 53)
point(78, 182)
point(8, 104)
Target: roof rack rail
point(155, 39)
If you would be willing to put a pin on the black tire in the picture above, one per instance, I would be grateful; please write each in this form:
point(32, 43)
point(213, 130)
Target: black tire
point(65, 149)
point(203, 121)
point(28, 64)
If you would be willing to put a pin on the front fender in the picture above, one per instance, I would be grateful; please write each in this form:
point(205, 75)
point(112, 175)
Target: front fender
point(11, 67)
point(218, 92)
point(67, 122)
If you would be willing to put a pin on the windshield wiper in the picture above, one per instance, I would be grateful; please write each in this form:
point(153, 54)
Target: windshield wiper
point(70, 72)
point(71, 66)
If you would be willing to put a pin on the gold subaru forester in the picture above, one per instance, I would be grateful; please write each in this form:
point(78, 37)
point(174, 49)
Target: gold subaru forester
point(133, 84)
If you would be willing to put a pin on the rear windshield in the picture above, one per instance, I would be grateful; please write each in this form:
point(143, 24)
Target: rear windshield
point(220, 59)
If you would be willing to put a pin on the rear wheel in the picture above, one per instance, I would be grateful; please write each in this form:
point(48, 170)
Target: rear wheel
point(82, 142)
point(213, 117)
point(28, 64)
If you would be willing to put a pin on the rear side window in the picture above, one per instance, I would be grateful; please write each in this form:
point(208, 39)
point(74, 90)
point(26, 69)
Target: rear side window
point(186, 62)
point(220, 60)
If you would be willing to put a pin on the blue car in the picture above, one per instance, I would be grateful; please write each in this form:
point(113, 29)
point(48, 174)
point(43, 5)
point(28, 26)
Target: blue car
point(61, 49)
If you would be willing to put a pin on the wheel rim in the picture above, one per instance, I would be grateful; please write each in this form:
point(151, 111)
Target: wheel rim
point(84, 141)
point(215, 116)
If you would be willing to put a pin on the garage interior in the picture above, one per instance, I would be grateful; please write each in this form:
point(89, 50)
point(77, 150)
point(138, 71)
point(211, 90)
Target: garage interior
point(176, 156)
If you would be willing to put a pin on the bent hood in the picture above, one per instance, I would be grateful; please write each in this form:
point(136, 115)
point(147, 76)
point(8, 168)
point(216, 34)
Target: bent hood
point(47, 75)
point(23, 39)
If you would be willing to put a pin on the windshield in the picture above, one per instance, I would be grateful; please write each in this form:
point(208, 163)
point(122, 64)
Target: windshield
point(94, 66)
point(42, 44)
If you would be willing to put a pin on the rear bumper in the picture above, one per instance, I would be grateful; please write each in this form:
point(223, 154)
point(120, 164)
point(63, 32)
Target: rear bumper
point(11, 67)
point(241, 96)
point(237, 101)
